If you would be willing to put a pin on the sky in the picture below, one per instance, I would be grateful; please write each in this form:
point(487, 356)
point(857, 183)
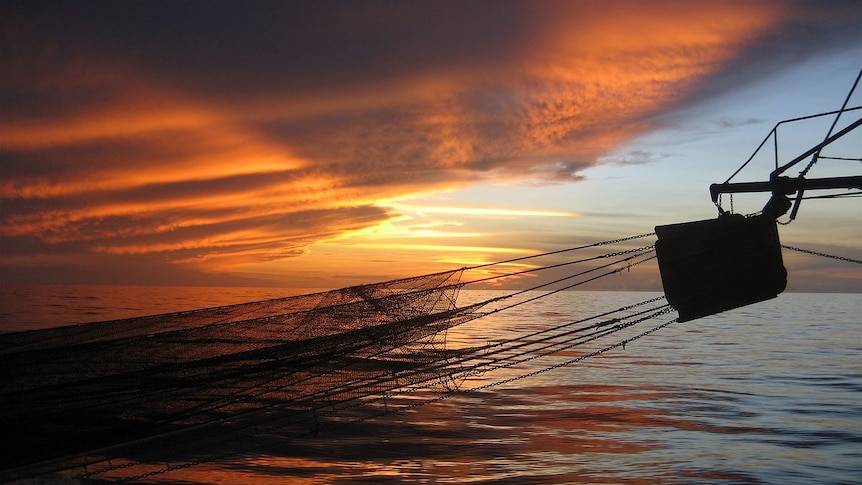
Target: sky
point(330, 143)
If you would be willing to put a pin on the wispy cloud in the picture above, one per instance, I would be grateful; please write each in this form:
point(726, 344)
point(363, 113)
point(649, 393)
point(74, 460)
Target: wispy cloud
point(634, 157)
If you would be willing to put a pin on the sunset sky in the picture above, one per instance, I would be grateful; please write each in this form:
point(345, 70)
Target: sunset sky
point(329, 143)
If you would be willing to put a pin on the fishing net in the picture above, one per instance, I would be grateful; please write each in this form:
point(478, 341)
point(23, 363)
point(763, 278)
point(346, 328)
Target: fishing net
point(128, 399)
point(89, 386)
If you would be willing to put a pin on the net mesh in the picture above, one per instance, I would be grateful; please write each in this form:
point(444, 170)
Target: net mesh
point(95, 385)
point(117, 399)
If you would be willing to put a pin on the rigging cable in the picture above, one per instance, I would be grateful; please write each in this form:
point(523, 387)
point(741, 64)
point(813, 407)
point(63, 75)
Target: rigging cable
point(816, 154)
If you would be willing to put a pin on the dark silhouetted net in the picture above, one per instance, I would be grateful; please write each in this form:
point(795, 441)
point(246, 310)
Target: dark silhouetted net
point(82, 387)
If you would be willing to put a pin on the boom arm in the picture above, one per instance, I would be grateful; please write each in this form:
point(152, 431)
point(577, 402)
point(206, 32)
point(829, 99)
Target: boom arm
point(786, 185)
point(781, 186)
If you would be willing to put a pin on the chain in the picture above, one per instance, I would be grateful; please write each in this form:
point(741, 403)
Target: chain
point(455, 392)
point(576, 341)
point(815, 253)
point(720, 208)
point(600, 243)
point(628, 251)
point(168, 468)
point(111, 467)
point(619, 344)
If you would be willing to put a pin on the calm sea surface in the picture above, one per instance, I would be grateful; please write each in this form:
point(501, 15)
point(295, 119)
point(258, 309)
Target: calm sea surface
point(770, 393)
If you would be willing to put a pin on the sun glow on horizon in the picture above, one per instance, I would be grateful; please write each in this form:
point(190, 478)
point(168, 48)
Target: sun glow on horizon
point(439, 247)
point(483, 211)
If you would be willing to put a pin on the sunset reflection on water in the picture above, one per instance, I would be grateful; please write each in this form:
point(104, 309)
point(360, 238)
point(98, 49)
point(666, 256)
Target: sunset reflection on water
point(548, 434)
point(725, 399)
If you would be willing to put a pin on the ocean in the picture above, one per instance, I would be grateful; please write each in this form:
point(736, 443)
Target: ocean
point(766, 394)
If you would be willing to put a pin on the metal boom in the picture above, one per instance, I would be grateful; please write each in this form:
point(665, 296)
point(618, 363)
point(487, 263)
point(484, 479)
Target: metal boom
point(781, 186)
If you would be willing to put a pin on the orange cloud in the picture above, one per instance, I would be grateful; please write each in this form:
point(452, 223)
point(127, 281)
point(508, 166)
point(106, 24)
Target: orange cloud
point(225, 156)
